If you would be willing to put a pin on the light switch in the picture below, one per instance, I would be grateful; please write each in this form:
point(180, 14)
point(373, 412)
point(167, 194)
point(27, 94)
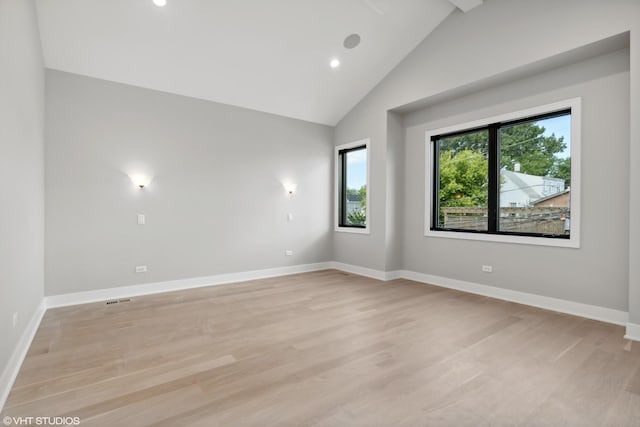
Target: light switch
point(141, 219)
point(290, 217)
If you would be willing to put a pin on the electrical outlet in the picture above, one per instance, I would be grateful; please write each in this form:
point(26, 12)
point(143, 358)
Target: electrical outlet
point(15, 319)
point(487, 268)
point(141, 269)
point(288, 252)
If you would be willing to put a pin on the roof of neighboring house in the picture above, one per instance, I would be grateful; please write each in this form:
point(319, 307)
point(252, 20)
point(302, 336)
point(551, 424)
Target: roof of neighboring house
point(549, 197)
point(525, 182)
point(354, 197)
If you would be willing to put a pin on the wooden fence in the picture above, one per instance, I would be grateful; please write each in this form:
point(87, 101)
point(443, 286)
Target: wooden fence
point(545, 219)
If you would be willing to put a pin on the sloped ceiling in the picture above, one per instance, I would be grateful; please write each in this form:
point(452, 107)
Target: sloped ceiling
point(266, 55)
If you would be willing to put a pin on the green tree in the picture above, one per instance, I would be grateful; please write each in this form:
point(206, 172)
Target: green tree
point(359, 217)
point(562, 169)
point(363, 194)
point(524, 144)
point(463, 179)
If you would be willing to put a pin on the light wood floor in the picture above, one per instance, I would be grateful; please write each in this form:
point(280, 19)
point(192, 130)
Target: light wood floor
point(327, 349)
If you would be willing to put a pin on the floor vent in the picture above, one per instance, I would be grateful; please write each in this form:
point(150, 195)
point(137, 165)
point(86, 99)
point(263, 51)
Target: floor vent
point(116, 301)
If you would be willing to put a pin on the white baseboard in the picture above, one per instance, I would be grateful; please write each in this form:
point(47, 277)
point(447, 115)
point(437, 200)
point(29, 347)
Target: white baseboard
point(633, 332)
point(361, 271)
point(594, 312)
point(10, 371)
point(563, 306)
point(392, 275)
point(64, 300)
point(569, 307)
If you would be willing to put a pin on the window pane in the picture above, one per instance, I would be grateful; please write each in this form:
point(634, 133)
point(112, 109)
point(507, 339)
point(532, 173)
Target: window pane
point(355, 199)
point(535, 176)
point(463, 181)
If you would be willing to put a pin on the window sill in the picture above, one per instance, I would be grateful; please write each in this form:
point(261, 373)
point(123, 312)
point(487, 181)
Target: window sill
point(353, 230)
point(573, 242)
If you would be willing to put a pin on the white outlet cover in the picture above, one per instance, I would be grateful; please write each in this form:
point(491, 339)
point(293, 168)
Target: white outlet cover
point(141, 269)
point(288, 252)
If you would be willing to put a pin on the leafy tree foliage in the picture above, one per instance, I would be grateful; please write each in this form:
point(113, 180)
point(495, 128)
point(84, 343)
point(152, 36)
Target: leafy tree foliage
point(359, 217)
point(562, 169)
point(524, 144)
point(464, 165)
point(463, 178)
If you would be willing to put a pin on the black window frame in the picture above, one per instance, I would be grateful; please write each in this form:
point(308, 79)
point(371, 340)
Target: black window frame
point(493, 219)
point(342, 187)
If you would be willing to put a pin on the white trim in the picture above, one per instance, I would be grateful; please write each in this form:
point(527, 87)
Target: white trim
point(633, 332)
point(576, 114)
point(548, 303)
point(588, 311)
point(393, 275)
point(336, 191)
point(501, 238)
point(354, 230)
point(10, 371)
point(361, 271)
point(64, 300)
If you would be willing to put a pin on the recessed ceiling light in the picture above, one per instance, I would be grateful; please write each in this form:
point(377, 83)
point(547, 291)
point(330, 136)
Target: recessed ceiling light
point(160, 3)
point(335, 63)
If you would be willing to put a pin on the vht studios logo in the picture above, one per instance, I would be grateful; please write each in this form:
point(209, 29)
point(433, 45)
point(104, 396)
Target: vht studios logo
point(41, 421)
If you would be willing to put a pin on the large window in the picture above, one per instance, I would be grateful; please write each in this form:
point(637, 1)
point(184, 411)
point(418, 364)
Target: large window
point(509, 176)
point(351, 187)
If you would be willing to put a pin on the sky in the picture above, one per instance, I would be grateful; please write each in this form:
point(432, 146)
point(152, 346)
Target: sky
point(560, 126)
point(356, 169)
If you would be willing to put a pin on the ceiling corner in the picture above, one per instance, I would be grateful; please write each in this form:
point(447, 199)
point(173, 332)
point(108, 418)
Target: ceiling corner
point(466, 5)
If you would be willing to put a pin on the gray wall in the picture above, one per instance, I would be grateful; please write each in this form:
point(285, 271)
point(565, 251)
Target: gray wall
point(634, 178)
point(21, 171)
point(597, 272)
point(498, 38)
point(395, 192)
point(216, 203)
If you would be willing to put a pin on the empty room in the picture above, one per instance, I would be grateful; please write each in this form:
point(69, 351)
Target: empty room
point(320, 213)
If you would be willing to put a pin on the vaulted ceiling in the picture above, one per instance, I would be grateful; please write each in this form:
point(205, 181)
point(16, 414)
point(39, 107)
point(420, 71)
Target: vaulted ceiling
point(267, 55)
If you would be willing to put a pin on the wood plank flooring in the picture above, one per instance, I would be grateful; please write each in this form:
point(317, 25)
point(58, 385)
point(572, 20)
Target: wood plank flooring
point(327, 349)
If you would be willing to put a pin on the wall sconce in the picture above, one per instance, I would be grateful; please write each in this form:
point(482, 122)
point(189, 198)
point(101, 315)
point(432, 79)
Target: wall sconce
point(290, 188)
point(140, 180)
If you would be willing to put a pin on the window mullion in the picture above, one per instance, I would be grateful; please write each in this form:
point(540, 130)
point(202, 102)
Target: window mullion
point(494, 179)
point(435, 199)
point(343, 197)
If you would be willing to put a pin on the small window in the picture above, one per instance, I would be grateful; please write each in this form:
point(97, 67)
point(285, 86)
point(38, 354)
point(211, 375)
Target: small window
point(508, 177)
point(352, 161)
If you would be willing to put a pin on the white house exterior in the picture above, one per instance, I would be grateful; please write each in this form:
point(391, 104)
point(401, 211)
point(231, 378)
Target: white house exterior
point(353, 203)
point(521, 190)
